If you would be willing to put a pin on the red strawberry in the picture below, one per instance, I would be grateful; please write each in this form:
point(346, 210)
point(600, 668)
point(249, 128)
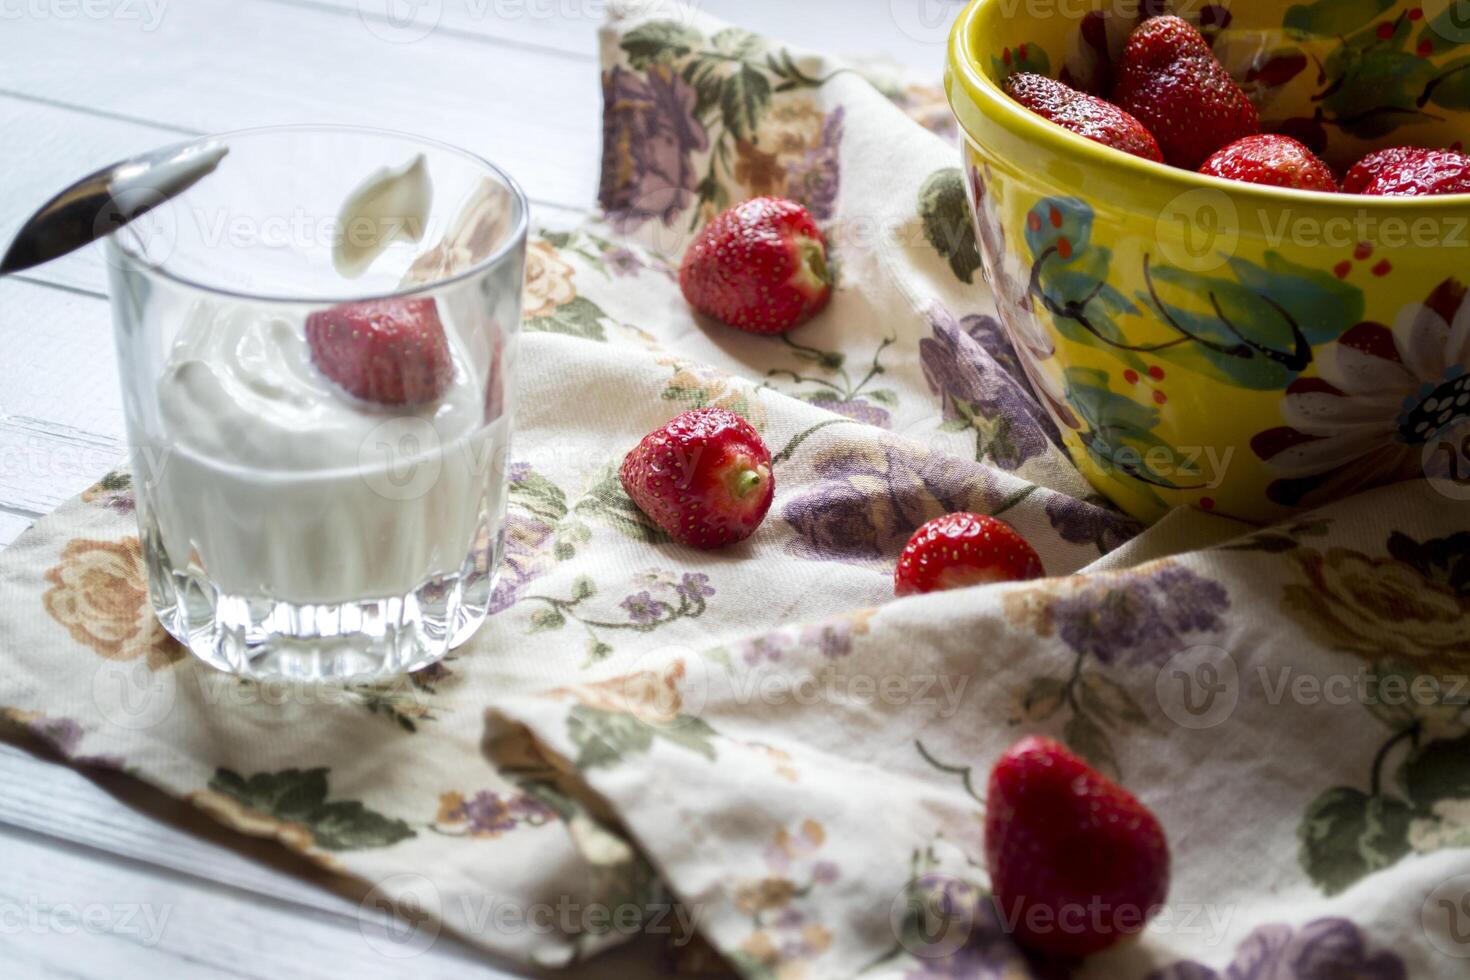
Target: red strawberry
point(705, 478)
point(390, 351)
point(1270, 159)
point(1085, 115)
point(957, 550)
point(1170, 81)
point(1410, 171)
point(1076, 862)
point(760, 266)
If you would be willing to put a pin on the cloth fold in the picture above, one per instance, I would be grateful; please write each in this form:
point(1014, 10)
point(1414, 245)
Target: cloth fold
point(761, 744)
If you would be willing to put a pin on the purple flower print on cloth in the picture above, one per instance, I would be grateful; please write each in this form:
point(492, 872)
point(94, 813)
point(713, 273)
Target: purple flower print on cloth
point(860, 410)
point(522, 563)
point(988, 953)
point(816, 176)
point(1324, 949)
point(1085, 522)
point(487, 814)
point(643, 608)
point(832, 639)
point(649, 137)
point(837, 520)
point(974, 370)
point(871, 498)
point(623, 261)
point(770, 647)
point(1139, 618)
point(695, 585)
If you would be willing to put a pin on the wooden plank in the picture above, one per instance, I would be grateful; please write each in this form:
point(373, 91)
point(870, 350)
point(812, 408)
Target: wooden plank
point(42, 465)
point(13, 524)
point(559, 29)
point(70, 914)
point(908, 32)
point(213, 65)
point(58, 363)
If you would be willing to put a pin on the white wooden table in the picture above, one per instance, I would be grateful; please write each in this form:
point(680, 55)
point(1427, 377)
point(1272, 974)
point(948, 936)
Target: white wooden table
point(86, 82)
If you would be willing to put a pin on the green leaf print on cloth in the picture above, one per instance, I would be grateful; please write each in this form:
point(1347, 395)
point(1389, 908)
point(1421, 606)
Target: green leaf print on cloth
point(947, 222)
point(1348, 832)
point(297, 798)
point(616, 719)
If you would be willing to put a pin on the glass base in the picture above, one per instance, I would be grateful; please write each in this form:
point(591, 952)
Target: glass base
point(362, 640)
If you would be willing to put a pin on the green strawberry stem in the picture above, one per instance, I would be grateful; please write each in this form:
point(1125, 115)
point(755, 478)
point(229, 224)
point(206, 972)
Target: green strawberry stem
point(814, 269)
point(744, 482)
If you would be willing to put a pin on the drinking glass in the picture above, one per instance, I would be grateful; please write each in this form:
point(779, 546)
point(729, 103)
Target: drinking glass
point(317, 344)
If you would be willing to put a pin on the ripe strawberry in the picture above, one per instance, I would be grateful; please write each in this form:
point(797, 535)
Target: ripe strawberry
point(1270, 159)
point(705, 478)
point(957, 550)
point(1170, 81)
point(389, 351)
point(1410, 171)
point(1076, 862)
point(760, 266)
point(1085, 115)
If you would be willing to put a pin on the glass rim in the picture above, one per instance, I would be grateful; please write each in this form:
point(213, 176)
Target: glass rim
point(515, 238)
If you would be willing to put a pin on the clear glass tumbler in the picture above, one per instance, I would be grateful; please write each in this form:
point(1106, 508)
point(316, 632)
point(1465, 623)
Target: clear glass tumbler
point(317, 343)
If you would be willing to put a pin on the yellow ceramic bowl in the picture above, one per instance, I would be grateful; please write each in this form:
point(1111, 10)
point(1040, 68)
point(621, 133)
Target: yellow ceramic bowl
point(1201, 342)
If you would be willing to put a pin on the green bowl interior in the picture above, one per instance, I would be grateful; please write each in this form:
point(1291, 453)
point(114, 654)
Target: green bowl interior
point(1343, 76)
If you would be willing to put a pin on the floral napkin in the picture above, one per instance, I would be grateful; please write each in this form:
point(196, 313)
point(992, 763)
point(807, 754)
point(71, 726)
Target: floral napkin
point(761, 745)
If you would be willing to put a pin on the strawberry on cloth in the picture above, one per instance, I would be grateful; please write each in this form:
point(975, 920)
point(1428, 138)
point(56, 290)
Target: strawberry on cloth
point(760, 266)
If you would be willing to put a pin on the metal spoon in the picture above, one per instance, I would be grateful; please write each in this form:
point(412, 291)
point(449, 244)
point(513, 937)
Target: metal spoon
point(102, 202)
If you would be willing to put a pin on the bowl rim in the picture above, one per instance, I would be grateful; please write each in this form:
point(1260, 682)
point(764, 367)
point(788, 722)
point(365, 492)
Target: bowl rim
point(964, 78)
